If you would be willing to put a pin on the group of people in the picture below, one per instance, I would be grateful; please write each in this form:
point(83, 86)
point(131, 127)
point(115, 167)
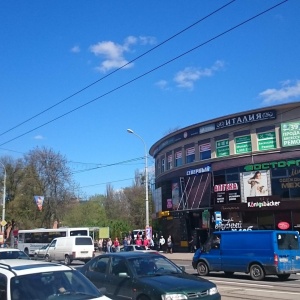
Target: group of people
point(109, 245)
point(168, 246)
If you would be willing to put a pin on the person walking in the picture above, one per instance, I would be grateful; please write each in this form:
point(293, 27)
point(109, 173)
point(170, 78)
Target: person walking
point(109, 245)
point(117, 245)
point(192, 244)
point(170, 245)
point(162, 241)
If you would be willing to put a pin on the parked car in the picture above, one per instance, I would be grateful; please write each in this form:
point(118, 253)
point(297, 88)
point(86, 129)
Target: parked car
point(258, 252)
point(41, 253)
point(29, 279)
point(135, 248)
point(151, 276)
point(12, 253)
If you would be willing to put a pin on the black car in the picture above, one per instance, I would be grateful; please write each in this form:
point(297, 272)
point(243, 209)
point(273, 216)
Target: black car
point(146, 276)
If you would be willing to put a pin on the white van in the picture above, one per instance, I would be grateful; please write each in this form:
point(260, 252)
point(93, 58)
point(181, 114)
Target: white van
point(70, 248)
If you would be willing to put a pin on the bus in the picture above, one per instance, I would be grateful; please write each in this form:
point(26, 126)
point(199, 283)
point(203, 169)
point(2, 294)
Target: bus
point(30, 240)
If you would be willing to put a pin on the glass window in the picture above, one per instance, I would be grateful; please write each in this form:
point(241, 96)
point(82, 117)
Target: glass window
point(287, 241)
point(178, 158)
point(243, 144)
point(222, 148)
point(266, 141)
point(162, 164)
point(190, 155)
point(279, 172)
point(170, 162)
point(204, 151)
point(265, 220)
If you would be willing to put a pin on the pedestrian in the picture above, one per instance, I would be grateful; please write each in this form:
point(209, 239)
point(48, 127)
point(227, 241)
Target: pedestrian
point(109, 245)
point(162, 241)
point(192, 244)
point(104, 245)
point(170, 245)
point(117, 245)
point(100, 245)
point(138, 241)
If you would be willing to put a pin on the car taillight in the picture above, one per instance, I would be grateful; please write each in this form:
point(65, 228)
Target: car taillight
point(74, 254)
point(275, 259)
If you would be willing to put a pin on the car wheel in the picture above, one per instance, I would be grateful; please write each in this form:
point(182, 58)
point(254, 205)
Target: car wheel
point(202, 268)
point(67, 260)
point(257, 272)
point(47, 258)
point(283, 276)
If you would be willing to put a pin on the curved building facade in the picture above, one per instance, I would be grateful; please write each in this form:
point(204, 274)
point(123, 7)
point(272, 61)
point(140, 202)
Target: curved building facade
point(237, 172)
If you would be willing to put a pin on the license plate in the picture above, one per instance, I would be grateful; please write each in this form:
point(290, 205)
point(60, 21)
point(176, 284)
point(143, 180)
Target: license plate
point(283, 259)
point(83, 251)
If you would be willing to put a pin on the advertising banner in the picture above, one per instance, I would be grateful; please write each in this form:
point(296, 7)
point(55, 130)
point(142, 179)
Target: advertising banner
point(227, 193)
point(290, 134)
point(255, 184)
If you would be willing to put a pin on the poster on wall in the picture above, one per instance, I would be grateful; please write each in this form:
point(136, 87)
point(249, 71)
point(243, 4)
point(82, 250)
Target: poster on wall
point(255, 184)
point(175, 195)
point(227, 193)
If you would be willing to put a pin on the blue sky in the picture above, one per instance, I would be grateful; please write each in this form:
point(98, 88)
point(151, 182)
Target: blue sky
point(61, 55)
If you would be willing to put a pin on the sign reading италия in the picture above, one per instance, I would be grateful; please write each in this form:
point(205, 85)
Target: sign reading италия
point(290, 134)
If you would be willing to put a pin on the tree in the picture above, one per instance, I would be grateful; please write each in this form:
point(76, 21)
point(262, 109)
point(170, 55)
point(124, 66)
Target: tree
point(45, 173)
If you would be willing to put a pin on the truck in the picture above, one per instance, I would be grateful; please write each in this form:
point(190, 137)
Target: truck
point(258, 253)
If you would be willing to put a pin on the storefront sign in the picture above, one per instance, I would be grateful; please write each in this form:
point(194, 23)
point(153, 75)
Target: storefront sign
point(283, 225)
point(290, 134)
point(266, 141)
point(273, 165)
point(229, 224)
point(222, 148)
point(197, 171)
point(246, 118)
point(243, 144)
point(260, 204)
point(227, 193)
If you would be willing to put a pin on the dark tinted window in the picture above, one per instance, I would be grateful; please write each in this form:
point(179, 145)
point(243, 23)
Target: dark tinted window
point(83, 241)
point(287, 241)
point(78, 232)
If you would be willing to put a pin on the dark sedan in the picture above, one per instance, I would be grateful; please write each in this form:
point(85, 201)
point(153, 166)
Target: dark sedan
point(146, 276)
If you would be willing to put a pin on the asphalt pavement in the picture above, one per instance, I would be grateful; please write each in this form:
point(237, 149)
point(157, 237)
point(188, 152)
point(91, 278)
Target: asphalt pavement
point(179, 256)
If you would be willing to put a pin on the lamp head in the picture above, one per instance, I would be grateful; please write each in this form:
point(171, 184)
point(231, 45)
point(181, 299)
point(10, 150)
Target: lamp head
point(129, 130)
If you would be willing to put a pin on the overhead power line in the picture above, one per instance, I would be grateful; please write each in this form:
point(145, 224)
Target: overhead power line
point(148, 72)
point(118, 69)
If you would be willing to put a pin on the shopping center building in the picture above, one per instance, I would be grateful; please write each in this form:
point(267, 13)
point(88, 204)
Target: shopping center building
point(236, 172)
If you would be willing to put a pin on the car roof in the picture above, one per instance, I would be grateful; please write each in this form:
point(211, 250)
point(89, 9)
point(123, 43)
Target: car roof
point(8, 249)
point(24, 266)
point(131, 254)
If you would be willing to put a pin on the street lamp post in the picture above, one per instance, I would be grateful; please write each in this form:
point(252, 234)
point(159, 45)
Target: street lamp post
point(146, 175)
point(4, 192)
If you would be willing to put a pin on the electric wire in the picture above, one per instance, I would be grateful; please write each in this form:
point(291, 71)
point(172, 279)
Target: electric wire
point(118, 69)
point(148, 72)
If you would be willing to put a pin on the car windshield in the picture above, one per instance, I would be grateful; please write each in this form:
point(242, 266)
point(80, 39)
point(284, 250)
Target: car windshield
point(53, 285)
point(154, 265)
point(13, 255)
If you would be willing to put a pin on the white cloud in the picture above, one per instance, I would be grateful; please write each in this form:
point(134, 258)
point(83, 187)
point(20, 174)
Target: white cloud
point(187, 77)
point(39, 137)
point(288, 92)
point(75, 49)
point(162, 84)
point(114, 54)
